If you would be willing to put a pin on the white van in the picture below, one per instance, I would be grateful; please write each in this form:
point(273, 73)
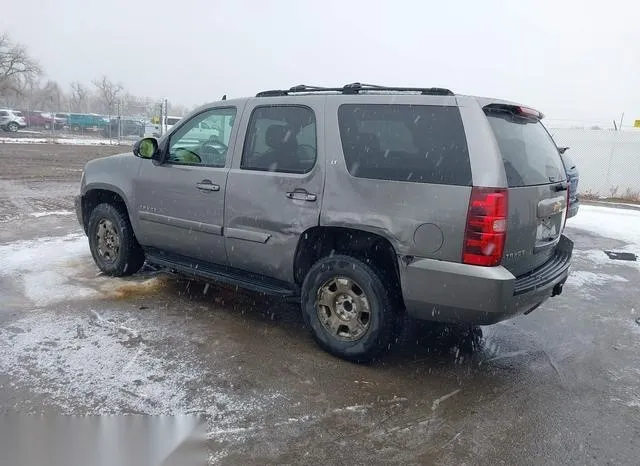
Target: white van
point(153, 130)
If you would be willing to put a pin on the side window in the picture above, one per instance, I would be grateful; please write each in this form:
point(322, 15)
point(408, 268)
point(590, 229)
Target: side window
point(3, 113)
point(203, 140)
point(414, 143)
point(280, 139)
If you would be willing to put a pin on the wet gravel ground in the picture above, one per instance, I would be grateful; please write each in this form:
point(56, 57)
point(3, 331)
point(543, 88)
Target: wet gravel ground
point(559, 386)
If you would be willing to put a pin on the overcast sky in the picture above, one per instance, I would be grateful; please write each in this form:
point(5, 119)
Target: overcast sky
point(570, 59)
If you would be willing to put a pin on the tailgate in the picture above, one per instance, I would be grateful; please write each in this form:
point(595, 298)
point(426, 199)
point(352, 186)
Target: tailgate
point(535, 223)
point(537, 188)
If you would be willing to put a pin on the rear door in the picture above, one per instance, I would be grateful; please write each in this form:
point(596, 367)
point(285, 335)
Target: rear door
point(275, 187)
point(537, 187)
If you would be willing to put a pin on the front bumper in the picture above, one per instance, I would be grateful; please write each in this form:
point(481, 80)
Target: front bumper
point(466, 294)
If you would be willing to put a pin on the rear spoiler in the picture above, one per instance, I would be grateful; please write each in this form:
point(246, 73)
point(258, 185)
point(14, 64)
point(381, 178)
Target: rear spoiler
point(516, 110)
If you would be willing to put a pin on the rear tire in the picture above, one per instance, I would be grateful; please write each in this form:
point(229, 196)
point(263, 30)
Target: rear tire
point(113, 245)
point(349, 309)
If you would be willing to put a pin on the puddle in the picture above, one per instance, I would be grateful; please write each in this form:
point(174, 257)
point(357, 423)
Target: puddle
point(138, 288)
point(621, 256)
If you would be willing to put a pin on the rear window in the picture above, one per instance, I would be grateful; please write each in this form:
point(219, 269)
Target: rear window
point(415, 143)
point(529, 154)
point(172, 121)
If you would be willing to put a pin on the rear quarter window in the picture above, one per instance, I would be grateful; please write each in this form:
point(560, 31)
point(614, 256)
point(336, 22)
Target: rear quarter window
point(529, 155)
point(412, 143)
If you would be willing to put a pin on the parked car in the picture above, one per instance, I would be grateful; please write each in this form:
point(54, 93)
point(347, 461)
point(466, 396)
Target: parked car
point(574, 177)
point(361, 202)
point(129, 127)
point(86, 121)
point(61, 119)
point(39, 119)
point(11, 120)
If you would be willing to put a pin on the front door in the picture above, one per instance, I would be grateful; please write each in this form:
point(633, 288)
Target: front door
point(180, 204)
point(275, 186)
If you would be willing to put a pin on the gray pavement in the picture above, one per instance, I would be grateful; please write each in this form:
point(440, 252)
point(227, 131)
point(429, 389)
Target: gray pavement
point(560, 386)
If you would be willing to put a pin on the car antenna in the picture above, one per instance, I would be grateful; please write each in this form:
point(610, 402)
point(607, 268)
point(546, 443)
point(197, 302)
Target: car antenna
point(224, 97)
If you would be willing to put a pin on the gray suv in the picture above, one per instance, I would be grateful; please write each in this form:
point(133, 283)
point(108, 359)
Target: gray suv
point(361, 202)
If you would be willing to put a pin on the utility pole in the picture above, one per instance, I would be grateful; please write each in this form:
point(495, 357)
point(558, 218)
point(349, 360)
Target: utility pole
point(53, 122)
point(166, 114)
point(119, 123)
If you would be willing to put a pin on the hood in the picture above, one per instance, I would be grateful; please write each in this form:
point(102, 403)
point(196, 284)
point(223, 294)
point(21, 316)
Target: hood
point(115, 172)
point(111, 160)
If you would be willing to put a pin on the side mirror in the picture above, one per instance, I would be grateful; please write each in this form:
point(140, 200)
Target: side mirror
point(146, 148)
point(562, 150)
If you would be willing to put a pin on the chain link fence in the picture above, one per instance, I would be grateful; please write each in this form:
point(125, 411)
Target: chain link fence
point(126, 122)
point(608, 161)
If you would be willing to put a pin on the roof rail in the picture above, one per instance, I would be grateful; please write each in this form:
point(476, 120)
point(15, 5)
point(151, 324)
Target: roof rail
point(354, 88)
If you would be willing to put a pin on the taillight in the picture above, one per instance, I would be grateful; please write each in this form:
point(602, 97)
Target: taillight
point(486, 230)
point(526, 111)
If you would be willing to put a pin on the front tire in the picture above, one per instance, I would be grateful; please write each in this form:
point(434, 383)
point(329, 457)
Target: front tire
point(13, 127)
point(113, 245)
point(349, 309)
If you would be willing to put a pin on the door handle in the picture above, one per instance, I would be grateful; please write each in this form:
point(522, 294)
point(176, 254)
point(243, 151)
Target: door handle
point(301, 195)
point(207, 185)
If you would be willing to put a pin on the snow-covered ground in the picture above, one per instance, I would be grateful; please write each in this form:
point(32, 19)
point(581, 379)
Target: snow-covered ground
point(66, 141)
point(619, 224)
point(59, 280)
point(114, 359)
point(51, 213)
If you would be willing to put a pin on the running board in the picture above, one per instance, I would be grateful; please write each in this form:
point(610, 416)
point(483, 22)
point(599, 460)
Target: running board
point(221, 274)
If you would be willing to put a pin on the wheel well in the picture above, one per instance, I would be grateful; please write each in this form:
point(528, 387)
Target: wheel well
point(372, 249)
point(98, 196)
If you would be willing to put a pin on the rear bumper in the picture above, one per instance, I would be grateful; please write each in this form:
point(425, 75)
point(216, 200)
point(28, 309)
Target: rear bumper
point(467, 294)
point(573, 208)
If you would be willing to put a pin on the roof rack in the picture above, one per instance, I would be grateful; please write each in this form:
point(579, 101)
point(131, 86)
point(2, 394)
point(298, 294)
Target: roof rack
point(353, 88)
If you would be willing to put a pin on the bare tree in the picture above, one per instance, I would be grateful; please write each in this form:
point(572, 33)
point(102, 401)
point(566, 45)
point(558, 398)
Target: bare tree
point(79, 95)
point(17, 68)
point(52, 95)
point(108, 92)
